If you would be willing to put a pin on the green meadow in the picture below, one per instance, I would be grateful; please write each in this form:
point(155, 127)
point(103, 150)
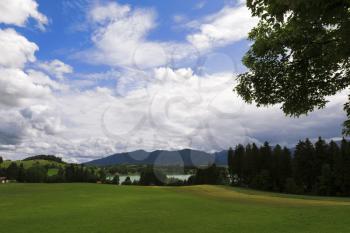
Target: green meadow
point(93, 208)
point(30, 163)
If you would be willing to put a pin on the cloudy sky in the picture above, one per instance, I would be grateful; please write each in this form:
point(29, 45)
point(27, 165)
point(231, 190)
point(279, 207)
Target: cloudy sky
point(86, 78)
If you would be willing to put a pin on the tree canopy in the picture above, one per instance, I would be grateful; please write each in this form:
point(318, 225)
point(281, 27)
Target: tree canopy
point(300, 55)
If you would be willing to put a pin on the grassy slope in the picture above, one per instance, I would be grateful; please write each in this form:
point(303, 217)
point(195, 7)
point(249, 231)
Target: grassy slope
point(30, 163)
point(91, 208)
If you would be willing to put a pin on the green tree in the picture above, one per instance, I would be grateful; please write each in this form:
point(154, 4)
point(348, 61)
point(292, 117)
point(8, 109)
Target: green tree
point(115, 180)
point(337, 168)
point(321, 155)
point(304, 163)
point(127, 181)
point(299, 56)
point(237, 164)
point(12, 171)
point(21, 173)
point(36, 174)
point(1, 160)
point(345, 150)
point(230, 155)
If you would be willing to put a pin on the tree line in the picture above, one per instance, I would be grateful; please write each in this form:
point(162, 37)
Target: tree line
point(39, 173)
point(321, 168)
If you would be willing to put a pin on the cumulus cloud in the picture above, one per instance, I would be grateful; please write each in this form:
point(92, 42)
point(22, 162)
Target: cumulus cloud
point(120, 36)
point(229, 25)
point(17, 89)
point(56, 68)
point(17, 12)
point(15, 49)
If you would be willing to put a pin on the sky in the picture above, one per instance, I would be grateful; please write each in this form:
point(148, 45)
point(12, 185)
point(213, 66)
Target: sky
point(85, 79)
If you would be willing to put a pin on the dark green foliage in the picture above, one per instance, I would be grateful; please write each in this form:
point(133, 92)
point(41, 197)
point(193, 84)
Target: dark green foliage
point(21, 177)
point(115, 180)
point(320, 169)
point(45, 157)
point(299, 56)
point(127, 181)
point(79, 173)
point(36, 174)
point(12, 171)
point(152, 176)
point(1, 160)
point(210, 175)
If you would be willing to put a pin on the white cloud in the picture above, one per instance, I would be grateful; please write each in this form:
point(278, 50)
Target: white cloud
point(173, 109)
point(42, 79)
point(120, 37)
point(17, 12)
point(56, 68)
point(15, 49)
point(17, 89)
point(229, 25)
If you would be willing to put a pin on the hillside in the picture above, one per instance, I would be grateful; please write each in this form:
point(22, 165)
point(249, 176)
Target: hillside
point(30, 163)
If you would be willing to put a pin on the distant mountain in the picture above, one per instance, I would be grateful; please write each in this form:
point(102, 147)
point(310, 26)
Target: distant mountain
point(184, 157)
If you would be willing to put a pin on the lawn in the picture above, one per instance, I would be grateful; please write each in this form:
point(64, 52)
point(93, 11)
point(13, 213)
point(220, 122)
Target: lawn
point(92, 208)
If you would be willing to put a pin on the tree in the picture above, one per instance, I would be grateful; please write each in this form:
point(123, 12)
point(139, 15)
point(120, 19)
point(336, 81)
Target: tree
point(337, 167)
point(152, 176)
point(21, 176)
point(304, 165)
point(36, 174)
point(102, 175)
point(300, 55)
point(230, 155)
point(345, 151)
point(12, 171)
point(237, 164)
point(1, 160)
point(127, 181)
point(115, 180)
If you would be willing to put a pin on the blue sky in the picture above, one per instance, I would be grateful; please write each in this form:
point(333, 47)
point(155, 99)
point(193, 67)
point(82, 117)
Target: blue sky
point(68, 30)
point(83, 79)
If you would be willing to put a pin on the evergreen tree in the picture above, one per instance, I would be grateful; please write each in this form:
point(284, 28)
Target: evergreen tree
point(115, 180)
point(304, 166)
point(285, 167)
point(36, 174)
point(1, 160)
point(237, 164)
point(12, 171)
point(230, 155)
point(337, 168)
point(21, 173)
point(321, 156)
point(248, 165)
point(345, 150)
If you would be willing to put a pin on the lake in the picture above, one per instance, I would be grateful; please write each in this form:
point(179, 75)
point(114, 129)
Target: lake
point(137, 177)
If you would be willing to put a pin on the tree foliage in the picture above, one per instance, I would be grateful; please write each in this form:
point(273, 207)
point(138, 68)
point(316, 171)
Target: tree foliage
point(321, 168)
point(300, 54)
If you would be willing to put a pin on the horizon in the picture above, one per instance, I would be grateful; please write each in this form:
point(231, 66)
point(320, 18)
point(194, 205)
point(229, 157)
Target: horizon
point(86, 79)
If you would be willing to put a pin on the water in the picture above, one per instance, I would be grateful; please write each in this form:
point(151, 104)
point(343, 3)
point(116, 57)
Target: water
point(137, 177)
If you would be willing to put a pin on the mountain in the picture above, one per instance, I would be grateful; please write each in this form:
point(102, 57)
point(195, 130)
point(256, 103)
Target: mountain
point(184, 157)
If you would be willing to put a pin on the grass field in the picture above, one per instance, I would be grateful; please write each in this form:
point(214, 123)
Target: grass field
point(92, 208)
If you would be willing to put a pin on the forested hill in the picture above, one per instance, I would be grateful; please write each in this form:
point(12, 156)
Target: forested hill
point(184, 157)
point(45, 157)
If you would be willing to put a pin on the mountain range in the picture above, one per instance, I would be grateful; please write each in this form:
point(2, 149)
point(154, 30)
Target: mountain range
point(185, 157)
